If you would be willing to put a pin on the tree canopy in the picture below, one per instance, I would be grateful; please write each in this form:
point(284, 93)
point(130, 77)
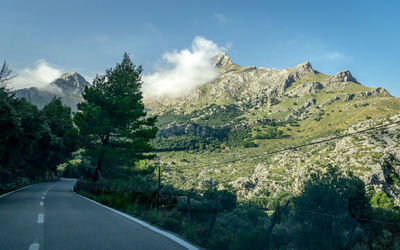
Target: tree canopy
point(32, 141)
point(113, 125)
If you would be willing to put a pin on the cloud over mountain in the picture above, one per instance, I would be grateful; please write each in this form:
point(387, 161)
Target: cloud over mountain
point(184, 70)
point(38, 76)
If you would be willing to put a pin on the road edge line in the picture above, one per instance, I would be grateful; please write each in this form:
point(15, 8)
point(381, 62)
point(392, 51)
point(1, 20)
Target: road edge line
point(16, 190)
point(145, 224)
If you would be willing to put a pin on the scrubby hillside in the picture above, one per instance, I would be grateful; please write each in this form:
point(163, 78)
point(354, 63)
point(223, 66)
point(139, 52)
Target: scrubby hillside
point(206, 137)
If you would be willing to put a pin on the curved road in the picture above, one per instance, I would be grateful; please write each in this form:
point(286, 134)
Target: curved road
point(51, 216)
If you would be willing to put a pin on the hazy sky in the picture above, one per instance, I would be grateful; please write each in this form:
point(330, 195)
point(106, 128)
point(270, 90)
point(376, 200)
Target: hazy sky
point(40, 39)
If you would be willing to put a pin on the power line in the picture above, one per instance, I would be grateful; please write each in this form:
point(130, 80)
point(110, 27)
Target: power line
point(297, 147)
point(342, 217)
point(310, 211)
point(315, 212)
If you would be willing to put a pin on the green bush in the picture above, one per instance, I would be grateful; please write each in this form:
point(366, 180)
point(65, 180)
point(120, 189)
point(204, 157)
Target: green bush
point(269, 132)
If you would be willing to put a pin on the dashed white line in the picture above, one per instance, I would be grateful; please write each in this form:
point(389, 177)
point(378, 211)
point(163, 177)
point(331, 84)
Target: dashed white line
point(41, 203)
point(42, 197)
point(40, 218)
point(34, 246)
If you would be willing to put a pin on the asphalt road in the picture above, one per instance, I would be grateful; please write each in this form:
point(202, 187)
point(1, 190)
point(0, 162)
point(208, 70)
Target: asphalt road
point(50, 216)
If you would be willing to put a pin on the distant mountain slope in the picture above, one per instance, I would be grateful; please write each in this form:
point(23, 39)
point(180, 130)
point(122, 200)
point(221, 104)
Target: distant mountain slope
point(69, 87)
point(249, 96)
point(249, 111)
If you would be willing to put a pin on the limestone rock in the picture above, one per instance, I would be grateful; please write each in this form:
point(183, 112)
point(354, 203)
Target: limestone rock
point(343, 76)
point(221, 61)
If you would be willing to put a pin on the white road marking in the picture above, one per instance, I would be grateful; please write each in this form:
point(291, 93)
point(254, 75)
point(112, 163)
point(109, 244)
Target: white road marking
point(34, 246)
point(40, 218)
point(1, 196)
point(41, 203)
point(166, 234)
point(42, 197)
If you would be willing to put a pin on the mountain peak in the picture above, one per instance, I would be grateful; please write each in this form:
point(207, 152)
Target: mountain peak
point(305, 67)
point(72, 75)
point(71, 82)
point(221, 59)
point(68, 74)
point(343, 76)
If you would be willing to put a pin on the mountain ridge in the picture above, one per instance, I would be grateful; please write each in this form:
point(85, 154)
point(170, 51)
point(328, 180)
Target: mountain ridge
point(244, 84)
point(69, 86)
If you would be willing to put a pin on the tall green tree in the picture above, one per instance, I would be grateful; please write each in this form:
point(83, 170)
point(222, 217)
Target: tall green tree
point(112, 121)
point(63, 139)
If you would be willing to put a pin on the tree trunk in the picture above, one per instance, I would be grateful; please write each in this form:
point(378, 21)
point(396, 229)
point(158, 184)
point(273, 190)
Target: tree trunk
point(353, 229)
point(275, 217)
point(96, 174)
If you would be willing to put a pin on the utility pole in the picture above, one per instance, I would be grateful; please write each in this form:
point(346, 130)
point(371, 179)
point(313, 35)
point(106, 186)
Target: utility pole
point(159, 186)
point(188, 203)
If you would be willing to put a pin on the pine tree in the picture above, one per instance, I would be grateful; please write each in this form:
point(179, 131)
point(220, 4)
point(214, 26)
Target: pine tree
point(63, 140)
point(112, 122)
point(5, 75)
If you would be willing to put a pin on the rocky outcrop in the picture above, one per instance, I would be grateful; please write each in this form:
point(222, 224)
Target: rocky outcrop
point(306, 88)
point(222, 62)
point(175, 129)
point(343, 76)
point(330, 101)
point(374, 92)
point(71, 83)
point(348, 97)
point(305, 68)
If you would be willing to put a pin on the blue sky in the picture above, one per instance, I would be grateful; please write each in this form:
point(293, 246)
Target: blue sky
point(90, 36)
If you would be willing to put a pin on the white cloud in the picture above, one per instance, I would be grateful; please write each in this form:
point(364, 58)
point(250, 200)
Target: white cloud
point(153, 28)
point(190, 69)
point(38, 76)
point(221, 17)
point(336, 56)
point(102, 38)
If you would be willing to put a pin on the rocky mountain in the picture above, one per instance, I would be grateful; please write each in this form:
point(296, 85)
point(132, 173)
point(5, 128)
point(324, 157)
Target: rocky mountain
point(68, 86)
point(207, 136)
point(255, 94)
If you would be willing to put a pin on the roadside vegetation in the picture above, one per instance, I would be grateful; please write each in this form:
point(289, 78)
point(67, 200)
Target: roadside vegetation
point(32, 141)
point(333, 211)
